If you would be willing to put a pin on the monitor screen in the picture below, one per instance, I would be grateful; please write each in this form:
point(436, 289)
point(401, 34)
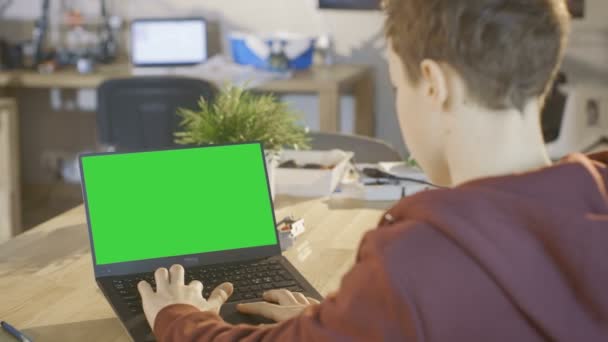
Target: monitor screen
point(177, 202)
point(168, 42)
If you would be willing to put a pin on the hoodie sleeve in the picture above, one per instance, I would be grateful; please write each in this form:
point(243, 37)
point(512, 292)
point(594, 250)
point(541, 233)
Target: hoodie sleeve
point(365, 308)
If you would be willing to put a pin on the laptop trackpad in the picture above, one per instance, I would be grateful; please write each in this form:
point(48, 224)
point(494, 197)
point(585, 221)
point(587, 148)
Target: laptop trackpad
point(231, 315)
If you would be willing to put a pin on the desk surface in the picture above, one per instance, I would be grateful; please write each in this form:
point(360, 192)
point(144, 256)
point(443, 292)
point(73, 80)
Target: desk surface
point(314, 80)
point(47, 287)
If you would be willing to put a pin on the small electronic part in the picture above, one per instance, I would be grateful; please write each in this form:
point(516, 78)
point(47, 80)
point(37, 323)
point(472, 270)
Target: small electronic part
point(289, 229)
point(292, 225)
point(286, 240)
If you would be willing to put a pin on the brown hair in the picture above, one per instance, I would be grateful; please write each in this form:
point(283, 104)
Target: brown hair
point(507, 51)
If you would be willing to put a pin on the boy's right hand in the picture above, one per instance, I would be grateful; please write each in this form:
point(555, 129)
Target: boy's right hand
point(171, 289)
point(279, 305)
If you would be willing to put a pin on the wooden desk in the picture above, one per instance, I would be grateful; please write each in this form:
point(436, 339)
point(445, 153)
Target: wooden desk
point(327, 82)
point(47, 286)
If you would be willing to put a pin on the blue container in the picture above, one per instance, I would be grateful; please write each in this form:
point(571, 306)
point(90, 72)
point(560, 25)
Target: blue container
point(259, 51)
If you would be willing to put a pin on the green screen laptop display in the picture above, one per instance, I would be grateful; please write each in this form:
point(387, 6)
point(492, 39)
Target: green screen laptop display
point(178, 202)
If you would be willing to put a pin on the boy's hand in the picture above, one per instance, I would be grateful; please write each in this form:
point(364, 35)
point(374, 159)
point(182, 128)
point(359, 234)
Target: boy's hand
point(289, 304)
point(170, 289)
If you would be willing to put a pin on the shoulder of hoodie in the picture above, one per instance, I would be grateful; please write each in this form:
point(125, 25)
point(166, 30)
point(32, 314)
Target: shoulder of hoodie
point(415, 214)
point(574, 180)
point(435, 210)
point(502, 196)
point(417, 211)
point(472, 205)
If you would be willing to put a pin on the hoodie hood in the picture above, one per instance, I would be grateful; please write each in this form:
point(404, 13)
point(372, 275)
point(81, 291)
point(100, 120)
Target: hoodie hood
point(541, 236)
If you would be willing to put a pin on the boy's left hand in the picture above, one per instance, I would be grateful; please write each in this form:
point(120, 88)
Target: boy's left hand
point(171, 289)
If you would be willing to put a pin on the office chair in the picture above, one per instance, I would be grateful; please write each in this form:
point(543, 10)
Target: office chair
point(367, 150)
point(139, 113)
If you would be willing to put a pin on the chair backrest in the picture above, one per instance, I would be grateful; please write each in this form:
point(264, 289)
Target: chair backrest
point(367, 150)
point(140, 112)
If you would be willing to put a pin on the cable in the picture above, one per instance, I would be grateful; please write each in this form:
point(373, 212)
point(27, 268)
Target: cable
point(375, 173)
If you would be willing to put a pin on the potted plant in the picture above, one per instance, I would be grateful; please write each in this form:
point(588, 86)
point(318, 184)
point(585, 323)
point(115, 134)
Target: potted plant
point(238, 115)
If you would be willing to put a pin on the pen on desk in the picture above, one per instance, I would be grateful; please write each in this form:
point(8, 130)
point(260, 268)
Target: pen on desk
point(14, 332)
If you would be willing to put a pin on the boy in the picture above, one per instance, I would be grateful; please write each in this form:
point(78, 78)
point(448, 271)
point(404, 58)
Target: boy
point(515, 251)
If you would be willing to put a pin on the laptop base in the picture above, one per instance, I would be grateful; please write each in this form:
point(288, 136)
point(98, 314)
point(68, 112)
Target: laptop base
point(138, 328)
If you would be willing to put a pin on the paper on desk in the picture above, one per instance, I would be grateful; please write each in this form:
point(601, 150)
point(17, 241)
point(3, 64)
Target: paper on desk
point(220, 70)
point(389, 192)
point(352, 187)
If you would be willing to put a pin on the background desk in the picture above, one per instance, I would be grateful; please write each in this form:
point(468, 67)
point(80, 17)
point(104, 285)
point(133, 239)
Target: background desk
point(47, 286)
point(327, 82)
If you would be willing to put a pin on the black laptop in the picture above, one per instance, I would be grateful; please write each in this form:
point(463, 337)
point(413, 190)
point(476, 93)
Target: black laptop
point(208, 209)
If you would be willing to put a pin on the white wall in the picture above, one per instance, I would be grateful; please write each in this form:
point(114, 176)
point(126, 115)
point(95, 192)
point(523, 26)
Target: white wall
point(358, 36)
point(587, 55)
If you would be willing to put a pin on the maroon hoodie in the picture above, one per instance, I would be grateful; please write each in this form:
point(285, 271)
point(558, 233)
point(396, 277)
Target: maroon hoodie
point(514, 258)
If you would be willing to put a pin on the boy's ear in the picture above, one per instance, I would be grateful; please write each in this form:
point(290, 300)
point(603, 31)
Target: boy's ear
point(435, 83)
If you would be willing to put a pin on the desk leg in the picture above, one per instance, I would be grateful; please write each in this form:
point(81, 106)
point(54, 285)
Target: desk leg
point(10, 186)
point(364, 93)
point(329, 110)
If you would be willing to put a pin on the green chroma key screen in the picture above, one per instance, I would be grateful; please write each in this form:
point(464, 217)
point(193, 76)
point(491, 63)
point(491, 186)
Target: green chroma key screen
point(177, 202)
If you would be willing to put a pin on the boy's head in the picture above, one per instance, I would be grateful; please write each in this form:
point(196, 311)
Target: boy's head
point(495, 55)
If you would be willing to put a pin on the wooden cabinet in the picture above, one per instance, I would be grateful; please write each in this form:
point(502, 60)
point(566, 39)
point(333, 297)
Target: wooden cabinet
point(10, 199)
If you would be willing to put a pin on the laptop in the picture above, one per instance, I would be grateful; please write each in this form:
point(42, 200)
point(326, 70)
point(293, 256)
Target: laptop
point(207, 208)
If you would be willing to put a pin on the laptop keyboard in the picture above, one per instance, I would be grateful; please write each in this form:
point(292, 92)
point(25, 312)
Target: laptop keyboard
point(250, 280)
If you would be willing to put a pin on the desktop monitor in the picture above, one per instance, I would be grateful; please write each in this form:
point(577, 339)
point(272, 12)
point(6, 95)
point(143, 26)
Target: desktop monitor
point(168, 42)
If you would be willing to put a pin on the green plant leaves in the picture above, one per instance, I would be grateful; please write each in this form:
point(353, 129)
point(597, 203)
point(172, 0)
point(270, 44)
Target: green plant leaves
point(237, 115)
